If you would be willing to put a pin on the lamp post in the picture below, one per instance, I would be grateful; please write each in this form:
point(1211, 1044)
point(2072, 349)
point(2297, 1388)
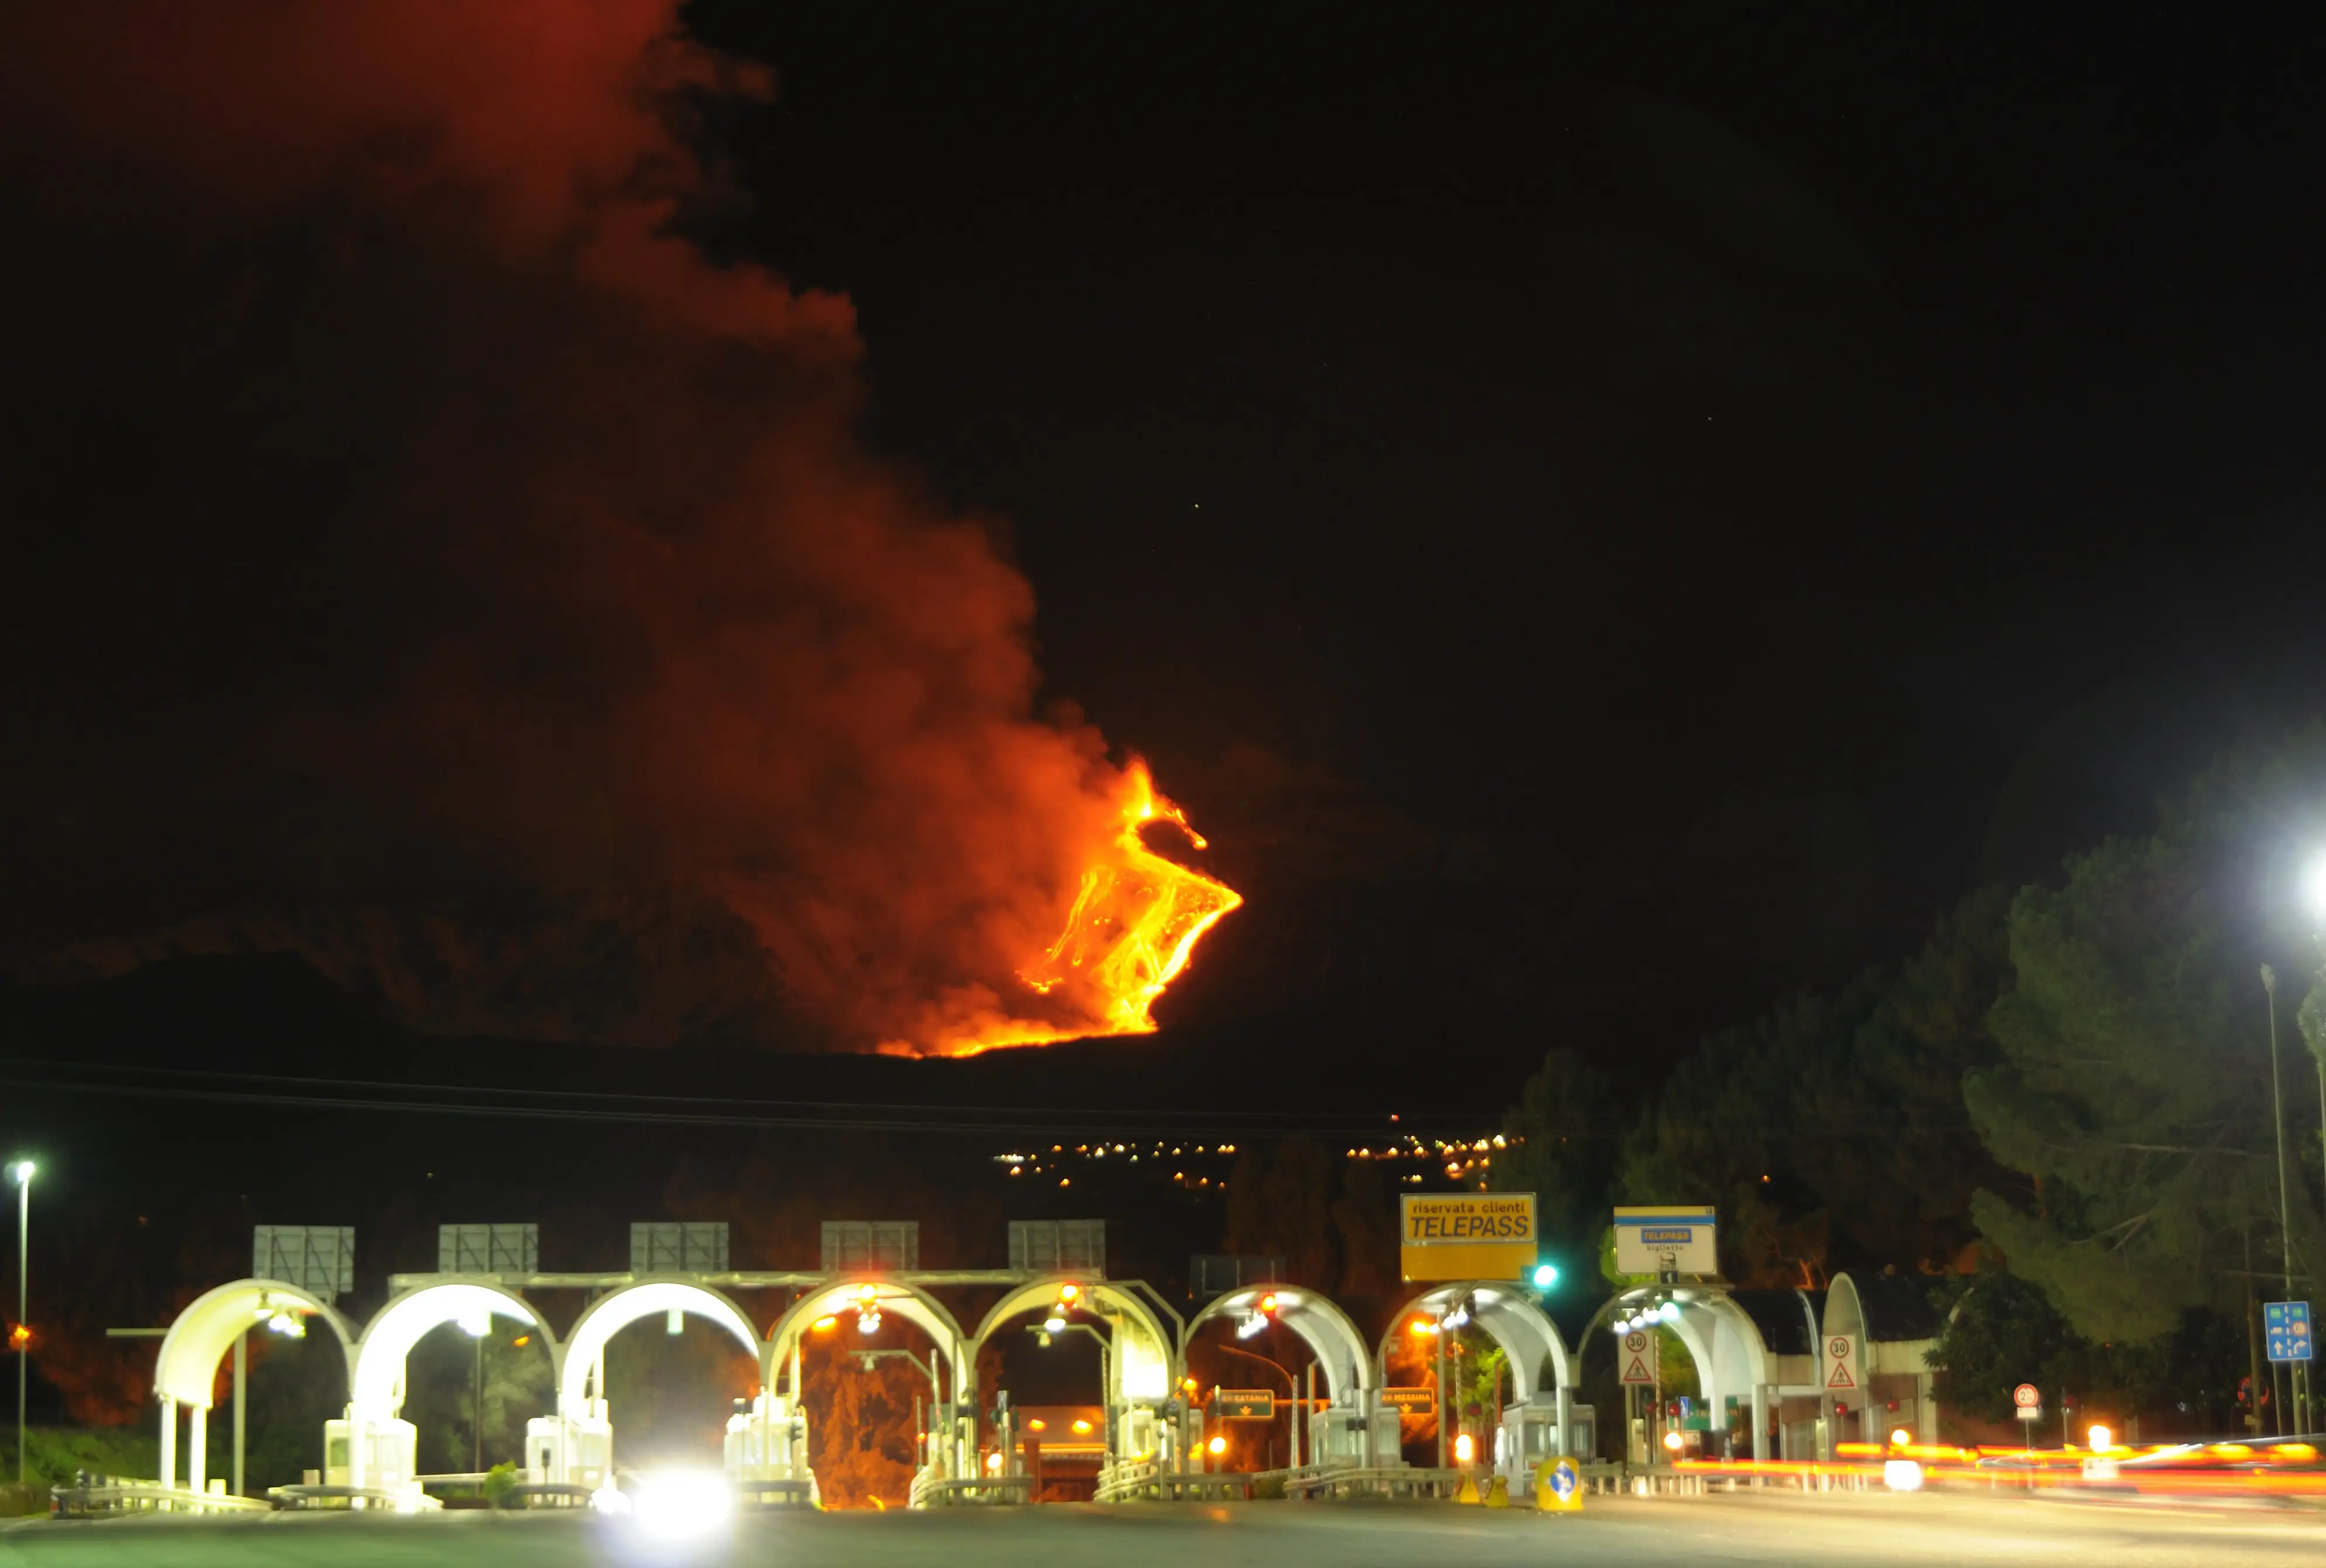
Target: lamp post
point(2284, 1210)
point(21, 1172)
point(1291, 1401)
point(477, 1326)
point(1053, 1327)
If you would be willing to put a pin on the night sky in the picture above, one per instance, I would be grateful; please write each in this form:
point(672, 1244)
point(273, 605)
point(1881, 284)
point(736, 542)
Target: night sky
point(1733, 484)
point(1605, 524)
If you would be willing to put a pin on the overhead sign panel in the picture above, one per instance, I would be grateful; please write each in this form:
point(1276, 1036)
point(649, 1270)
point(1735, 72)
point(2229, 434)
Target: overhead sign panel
point(498, 1249)
point(1057, 1245)
point(2287, 1326)
point(874, 1246)
point(665, 1247)
point(1418, 1400)
point(320, 1259)
point(1467, 1236)
point(1661, 1238)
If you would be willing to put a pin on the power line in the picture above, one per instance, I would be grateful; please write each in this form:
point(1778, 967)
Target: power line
point(642, 1110)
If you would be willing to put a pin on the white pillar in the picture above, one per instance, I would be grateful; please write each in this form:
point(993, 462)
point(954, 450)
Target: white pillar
point(1564, 1444)
point(169, 1477)
point(356, 1476)
point(241, 1403)
point(197, 1448)
point(1761, 1421)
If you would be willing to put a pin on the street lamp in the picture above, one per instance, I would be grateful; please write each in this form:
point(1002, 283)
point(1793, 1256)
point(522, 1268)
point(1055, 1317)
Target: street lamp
point(2284, 1212)
point(21, 1173)
point(476, 1325)
point(1054, 1326)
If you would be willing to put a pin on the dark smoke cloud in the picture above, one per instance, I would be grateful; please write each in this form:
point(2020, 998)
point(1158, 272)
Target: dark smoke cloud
point(434, 565)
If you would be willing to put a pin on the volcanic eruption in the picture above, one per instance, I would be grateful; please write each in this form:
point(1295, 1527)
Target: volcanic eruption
point(452, 573)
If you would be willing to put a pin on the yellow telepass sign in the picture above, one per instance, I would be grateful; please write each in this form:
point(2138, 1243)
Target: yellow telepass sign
point(1467, 1236)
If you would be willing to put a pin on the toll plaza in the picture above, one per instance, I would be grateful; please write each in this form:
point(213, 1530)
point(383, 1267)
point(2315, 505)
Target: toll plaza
point(1312, 1410)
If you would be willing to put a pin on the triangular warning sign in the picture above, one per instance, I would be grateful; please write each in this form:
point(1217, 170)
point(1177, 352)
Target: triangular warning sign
point(1840, 1378)
point(1637, 1372)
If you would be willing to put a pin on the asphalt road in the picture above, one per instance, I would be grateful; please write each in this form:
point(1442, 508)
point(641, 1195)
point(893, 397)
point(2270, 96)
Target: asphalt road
point(1769, 1529)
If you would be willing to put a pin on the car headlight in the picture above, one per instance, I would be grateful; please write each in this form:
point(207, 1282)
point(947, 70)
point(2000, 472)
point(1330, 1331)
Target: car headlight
point(681, 1505)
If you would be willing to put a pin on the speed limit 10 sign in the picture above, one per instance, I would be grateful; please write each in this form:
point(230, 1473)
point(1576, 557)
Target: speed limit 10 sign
point(2027, 1396)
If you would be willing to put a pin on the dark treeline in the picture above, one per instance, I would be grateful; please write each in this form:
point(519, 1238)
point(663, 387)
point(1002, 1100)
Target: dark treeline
point(2059, 1109)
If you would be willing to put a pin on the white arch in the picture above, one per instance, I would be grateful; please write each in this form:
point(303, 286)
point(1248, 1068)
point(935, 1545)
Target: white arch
point(376, 1387)
point(609, 1314)
point(1350, 1371)
point(1144, 1355)
point(1732, 1358)
point(842, 1298)
point(201, 1336)
point(1512, 1317)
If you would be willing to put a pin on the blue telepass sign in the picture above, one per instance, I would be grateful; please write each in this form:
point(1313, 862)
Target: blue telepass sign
point(2287, 1326)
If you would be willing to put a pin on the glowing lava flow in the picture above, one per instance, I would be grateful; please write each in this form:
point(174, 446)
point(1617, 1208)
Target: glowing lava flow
point(1136, 919)
point(1135, 923)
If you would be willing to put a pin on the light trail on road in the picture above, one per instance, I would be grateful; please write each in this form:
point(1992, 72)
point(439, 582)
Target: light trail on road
point(1745, 1527)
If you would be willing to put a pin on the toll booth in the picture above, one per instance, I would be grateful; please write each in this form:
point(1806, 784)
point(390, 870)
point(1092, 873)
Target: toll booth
point(576, 1450)
point(1353, 1436)
point(1528, 1437)
point(766, 1440)
point(388, 1447)
point(1140, 1432)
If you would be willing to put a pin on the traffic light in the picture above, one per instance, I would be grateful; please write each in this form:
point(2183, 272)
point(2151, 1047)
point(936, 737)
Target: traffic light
point(1544, 1275)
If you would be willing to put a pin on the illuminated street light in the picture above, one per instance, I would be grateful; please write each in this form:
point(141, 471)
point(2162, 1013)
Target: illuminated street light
point(1054, 1324)
point(21, 1173)
point(2313, 889)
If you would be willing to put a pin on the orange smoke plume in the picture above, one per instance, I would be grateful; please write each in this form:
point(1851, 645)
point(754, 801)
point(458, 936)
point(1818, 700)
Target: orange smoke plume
point(568, 669)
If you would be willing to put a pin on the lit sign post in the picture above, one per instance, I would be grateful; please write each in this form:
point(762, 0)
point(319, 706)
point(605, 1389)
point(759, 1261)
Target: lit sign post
point(2287, 1326)
point(1467, 1236)
point(1666, 1240)
point(1243, 1404)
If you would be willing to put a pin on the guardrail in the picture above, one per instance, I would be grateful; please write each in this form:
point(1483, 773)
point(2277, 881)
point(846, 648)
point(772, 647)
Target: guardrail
point(942, 1492)
point(1371, 1482)
point(324, 1496)
point(115, 1495)
point(544, 1494)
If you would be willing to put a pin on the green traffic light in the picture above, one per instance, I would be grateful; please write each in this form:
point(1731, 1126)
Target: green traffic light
point(1546, 1275)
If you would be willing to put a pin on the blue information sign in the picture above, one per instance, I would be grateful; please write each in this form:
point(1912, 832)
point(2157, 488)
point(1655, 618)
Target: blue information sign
point(2287, 1326)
